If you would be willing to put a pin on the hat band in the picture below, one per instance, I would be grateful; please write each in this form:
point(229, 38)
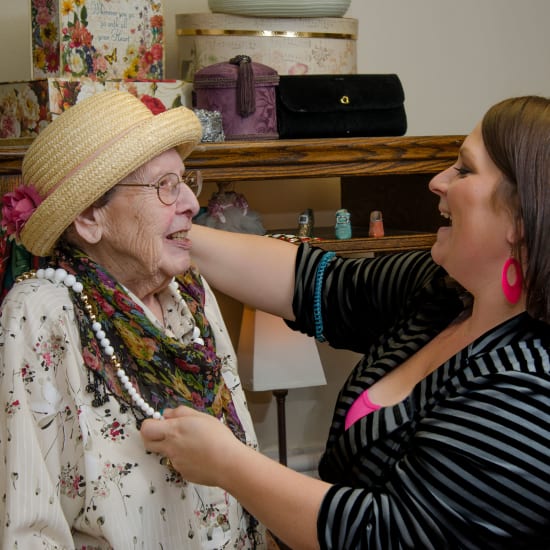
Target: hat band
point(90, 158)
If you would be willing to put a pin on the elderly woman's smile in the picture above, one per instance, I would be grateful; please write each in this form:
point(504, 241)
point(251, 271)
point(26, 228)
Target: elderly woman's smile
point(178, 236)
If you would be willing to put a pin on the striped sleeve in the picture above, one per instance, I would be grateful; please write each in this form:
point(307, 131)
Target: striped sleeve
point(360, 298)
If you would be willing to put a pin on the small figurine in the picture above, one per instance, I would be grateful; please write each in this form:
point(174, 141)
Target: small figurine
point(342, 228)
point(305, 223)
point(376, 225)
point(229, 210)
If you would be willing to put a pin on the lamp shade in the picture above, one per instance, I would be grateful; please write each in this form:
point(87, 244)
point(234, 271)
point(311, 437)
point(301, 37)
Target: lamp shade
point(272, 356)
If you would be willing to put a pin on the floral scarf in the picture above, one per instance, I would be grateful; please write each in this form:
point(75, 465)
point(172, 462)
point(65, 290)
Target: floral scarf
point(167, 372)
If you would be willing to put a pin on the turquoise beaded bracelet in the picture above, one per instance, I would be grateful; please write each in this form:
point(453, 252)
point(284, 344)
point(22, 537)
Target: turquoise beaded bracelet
point(319, 276)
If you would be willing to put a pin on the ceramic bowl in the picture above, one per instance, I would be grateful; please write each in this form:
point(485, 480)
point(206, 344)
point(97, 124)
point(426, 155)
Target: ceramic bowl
point(281, 8)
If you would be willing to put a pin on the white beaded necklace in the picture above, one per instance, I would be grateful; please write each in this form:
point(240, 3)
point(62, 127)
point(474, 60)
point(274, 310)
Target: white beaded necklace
point(60, 275)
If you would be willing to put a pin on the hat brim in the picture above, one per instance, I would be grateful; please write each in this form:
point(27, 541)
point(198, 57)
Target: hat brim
point(177, 128)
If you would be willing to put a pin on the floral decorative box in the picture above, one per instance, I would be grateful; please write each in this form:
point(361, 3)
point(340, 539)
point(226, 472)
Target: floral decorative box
point(24, 109)
point(27, 107)
point(157, 95)
point(104, 39)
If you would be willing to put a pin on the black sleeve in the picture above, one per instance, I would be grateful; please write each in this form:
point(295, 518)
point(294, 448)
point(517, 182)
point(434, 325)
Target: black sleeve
point(359, 298)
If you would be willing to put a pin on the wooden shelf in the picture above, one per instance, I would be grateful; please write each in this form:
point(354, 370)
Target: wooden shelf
point(300, 158)
point(313, 158)
point(349, 158)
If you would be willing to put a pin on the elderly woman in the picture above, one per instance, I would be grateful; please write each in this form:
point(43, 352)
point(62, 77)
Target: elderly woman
point(440, 437)
point(118, 327)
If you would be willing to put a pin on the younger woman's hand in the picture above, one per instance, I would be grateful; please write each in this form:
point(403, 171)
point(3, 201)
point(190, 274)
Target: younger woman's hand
point(197, 444)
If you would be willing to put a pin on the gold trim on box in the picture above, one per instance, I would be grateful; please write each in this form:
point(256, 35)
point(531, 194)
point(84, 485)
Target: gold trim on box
point(283, 34)
point(15, 142)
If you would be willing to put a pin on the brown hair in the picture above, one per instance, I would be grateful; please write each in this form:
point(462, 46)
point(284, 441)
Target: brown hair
point(516, 134)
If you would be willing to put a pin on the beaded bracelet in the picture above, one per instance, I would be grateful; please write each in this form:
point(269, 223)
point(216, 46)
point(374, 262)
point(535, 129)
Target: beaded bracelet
point(317, 316)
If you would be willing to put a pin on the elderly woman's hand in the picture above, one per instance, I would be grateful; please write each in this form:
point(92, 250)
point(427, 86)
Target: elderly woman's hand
point(197, 444)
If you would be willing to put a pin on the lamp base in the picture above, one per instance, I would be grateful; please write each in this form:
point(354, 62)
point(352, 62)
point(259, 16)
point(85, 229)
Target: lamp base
point(280, 396)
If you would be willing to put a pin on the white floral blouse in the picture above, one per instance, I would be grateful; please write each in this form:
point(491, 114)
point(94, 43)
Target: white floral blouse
point(77, 476)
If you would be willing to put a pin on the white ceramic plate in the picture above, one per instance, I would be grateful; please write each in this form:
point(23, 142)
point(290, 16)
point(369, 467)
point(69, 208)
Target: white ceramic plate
point(281, 8)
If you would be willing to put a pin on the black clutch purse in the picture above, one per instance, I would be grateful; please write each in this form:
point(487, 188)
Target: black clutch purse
point(357, 105)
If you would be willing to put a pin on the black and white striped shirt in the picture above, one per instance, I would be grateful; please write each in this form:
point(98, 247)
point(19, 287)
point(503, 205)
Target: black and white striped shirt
point(464, 460)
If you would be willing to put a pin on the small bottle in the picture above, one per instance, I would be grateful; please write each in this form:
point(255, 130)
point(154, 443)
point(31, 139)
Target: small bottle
point(305, 223)
point(342, 229)
point(376, 225)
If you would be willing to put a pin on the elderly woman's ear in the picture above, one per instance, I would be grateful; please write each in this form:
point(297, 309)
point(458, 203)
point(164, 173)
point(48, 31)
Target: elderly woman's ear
point(87, 225)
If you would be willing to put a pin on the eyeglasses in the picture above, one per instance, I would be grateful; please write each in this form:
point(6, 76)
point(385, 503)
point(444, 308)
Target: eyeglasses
point(168, 186)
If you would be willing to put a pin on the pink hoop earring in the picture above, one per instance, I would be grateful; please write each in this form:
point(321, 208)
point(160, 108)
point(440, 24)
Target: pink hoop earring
point(512, 291)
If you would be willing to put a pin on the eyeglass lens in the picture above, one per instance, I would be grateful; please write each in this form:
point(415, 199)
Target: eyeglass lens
point(169, 186)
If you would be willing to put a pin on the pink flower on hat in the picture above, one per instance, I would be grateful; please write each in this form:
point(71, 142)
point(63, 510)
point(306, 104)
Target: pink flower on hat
point(155, 105)
point(17, 207)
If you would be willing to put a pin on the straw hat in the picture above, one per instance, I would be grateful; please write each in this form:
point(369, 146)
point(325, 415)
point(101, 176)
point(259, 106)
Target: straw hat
point(90, 148)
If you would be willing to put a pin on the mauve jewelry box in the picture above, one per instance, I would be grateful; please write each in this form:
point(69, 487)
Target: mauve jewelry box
point(244, 95)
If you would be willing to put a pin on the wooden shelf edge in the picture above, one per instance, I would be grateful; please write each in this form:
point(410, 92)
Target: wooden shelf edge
point(417, 241)
point(330, 157)
point(293, 158)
